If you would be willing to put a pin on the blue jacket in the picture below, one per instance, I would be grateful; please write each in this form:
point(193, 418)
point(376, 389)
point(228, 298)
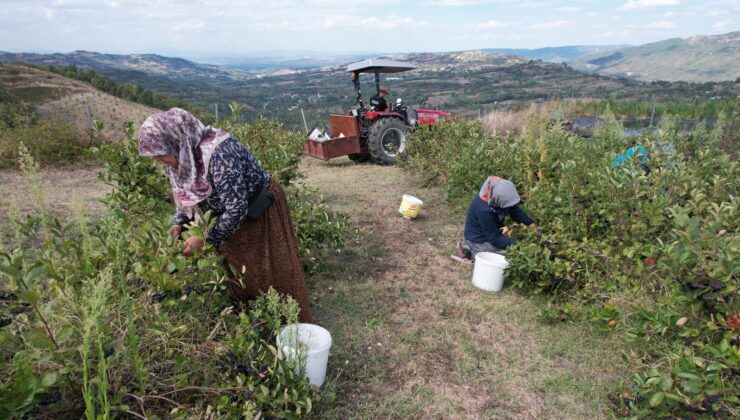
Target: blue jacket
point(632, 152)
point(483, 222)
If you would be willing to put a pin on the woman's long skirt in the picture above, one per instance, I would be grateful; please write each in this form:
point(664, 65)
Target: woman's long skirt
point(264, 253)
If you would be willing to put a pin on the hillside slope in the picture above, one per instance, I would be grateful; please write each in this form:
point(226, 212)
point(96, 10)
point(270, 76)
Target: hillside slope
point(53, 96)
point(151, 65)
point(557, 54)
point(695, 59)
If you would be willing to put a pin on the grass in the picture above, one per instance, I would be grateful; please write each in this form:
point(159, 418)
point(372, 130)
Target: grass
point(412, 336)
point(36, 94)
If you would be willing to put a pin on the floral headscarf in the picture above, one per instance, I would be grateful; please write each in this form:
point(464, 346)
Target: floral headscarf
point(499, 192)
point(179, 134)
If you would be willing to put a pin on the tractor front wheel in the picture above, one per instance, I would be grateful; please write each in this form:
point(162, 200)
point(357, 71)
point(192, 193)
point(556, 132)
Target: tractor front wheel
point(387, 140)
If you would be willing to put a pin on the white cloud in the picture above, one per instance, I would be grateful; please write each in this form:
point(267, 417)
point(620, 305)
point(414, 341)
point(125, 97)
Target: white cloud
point(552, 25)
point(723, 24)
point(717, 13)
point(569, 9)
point(454, 3)
point(491, 24)
point(188, 26)
point(640, 4)
point(49, 13)
point(662, 24)
point(360, 22)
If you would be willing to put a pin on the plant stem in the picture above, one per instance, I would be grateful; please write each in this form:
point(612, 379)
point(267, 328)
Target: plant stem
point(46, 325)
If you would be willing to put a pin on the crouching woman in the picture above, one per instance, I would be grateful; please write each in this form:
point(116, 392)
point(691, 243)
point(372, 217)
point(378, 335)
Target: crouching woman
point(484, 224)
point(210, 170)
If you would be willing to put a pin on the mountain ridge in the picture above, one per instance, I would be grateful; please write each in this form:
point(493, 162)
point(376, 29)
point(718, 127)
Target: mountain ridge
point(699, 58)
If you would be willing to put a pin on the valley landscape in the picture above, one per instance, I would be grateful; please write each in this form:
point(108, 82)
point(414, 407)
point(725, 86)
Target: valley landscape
point(622, 303)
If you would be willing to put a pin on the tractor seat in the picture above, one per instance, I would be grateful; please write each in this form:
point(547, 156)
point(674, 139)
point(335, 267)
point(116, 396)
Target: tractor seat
point(378, 103)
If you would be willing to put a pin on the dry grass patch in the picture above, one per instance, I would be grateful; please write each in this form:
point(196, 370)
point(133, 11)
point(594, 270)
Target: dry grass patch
point(64, 188)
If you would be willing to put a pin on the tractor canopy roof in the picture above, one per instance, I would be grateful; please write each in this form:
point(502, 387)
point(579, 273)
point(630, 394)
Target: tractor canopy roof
point(375, 65)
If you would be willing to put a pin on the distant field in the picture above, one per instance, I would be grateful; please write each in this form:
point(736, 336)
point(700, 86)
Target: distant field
point(63, 99)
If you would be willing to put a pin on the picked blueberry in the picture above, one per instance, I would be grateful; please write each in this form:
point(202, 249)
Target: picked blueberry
point(695, 285)
point(17, 310)
point(709, 298)
point(716, 285)
point(6, 295)
point(159, 296)
point(108, 352)
point(49, 398)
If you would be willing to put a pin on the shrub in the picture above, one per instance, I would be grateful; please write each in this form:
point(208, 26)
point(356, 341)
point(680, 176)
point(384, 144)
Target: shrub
point(50, 142)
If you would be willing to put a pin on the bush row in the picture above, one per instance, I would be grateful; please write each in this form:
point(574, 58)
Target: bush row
point(109, 319)
point(653, 255)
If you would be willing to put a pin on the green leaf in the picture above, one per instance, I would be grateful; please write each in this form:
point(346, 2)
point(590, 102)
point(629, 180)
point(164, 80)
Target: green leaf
point(11, 271)
point(33, 274)
point(656, 399)
point(666, 383)
point(688, 375)
point(49, 378)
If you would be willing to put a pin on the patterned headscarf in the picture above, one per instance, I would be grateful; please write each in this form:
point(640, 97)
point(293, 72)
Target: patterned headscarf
point(499, 192)
point(179, 134)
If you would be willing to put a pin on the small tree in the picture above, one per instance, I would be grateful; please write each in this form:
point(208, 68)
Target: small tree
point(236, 110)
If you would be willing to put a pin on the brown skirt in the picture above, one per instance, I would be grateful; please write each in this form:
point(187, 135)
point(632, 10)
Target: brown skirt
point(264, 253)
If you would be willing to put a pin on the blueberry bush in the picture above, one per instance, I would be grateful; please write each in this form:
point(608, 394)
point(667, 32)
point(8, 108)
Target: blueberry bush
point(649, 252)
point(107, 318)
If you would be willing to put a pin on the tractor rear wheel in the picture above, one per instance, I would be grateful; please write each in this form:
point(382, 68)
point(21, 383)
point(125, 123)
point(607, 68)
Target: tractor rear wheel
point(387, 140)
point(359, 157)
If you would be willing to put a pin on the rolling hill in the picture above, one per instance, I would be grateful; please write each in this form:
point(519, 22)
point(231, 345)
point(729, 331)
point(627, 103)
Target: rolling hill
point(463, 82)
point(111, 64)
point(59, 98)
point(695, 59)
point(556, 54)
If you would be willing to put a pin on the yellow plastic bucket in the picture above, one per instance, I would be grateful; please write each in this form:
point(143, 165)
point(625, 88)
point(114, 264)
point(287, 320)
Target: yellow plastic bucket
point(410, 206)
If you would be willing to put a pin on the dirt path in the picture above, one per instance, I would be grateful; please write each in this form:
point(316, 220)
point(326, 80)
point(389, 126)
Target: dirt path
point(414, 338)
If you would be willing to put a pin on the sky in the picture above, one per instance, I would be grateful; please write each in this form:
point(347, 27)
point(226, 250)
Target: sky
point(252, 27)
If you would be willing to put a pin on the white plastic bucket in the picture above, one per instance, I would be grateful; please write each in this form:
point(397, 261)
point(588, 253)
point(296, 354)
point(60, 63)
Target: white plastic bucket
point(307, 347)
point(488, 273)
point(410, 206)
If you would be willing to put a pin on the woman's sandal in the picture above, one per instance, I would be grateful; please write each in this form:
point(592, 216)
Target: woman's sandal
point(461, 259)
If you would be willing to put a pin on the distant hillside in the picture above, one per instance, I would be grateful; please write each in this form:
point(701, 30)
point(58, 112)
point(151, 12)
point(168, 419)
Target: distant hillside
point(695, 59)
point(112, 65)
point(556, 54)
point(53, 96)
point(463, 82)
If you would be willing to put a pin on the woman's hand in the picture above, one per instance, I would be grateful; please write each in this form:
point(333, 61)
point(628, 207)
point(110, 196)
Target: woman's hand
point(192, 244)
point(176, 231)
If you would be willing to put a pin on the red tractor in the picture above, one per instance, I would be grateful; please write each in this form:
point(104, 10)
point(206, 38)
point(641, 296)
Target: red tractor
point(377, 132)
